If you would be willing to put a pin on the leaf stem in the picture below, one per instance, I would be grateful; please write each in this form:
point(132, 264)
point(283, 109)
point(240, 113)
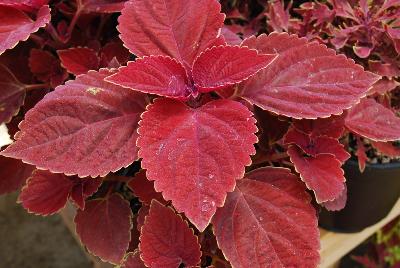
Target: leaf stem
point(31, 87)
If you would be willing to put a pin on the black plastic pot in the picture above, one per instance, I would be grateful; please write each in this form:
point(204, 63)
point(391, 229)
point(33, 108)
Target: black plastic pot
point(371, 196)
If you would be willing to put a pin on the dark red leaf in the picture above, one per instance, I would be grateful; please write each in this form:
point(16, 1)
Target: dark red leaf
point(113, 50)
point(79, 60)
point(181, 29)
point(12, 95)
point(196, 155)
point(133, 260)
point(104, 227)
point(156, 75)
point(361, 155)
point(322, 174)
point(142, 213)
point(85, 127)
point(166, 239)
point(83, 188)
point(13, 174)
point(386, 148)
point(373, 121)
point(45, 193)
point(144, 189)
point(337, 204)
point(307, 80)
point(268, 221)
point(16, 26)
point(221, 66)
point(331, 127)
point(103, 6)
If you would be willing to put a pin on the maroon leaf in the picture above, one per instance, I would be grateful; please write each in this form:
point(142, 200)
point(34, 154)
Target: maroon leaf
point(373, 121)
point(196, 155)
point(45, 193)
point(337, 204)
point(113, 50)
point(133, 260)
point(83, 188)
point(331, 127)
point(85, 127)
point(16, 26)
point(361, 154)
point(144, 189)
point(322, 174)
point(142, 213)
point(13, 174)
point(79, 60)
point(307, 80)
point(103, 6)
point(166, 239)
point(104, 227)
point(180, 29)
point(268, 221)
point(222, 66)
point(12, 95)
point(156, 75)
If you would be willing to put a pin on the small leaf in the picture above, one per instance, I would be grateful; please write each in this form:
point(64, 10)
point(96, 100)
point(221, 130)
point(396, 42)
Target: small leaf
point(13, 174)
point(103, 6)
point(268, 221)
point(222, 66)
point(79, 60)
point(307, 80)
point(194, 156)
point(339, 203)
point(85, 127)
point(155, 75)
point(166, 239)
point(83, 188)
point(322, 173)
point(132, 260)
point(361, 155)
point(144, 189)
point(104, 227)
point(331, 127)
point(386, 148)
point(45, 193)
point(16, 26)
point(181, 29)
point(373, 121)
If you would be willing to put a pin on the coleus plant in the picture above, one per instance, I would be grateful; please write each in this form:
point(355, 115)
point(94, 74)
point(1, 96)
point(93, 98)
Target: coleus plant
point(191, 108)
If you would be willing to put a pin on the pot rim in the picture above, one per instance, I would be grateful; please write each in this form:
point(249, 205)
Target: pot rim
point(393, 165)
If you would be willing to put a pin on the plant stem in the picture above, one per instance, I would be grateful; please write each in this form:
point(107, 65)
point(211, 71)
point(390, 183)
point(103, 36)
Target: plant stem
point(29, 88)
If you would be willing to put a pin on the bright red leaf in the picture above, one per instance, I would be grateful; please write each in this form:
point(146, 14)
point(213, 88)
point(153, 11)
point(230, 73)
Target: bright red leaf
point(268, 221)
point(222, 66)
point(180, 29)
point(144, 189)
point(79, 60)
point(25, 5)
point(195, 155)
point(373, 121)
point(307, 80)
point(156, 75)
point(85, 127)
point(13, 174)
point(104, 227)
point(322, 174)
point(16, 26)
point(133, 260)
point(166, 239)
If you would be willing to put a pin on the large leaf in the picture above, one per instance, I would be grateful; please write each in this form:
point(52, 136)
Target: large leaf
point(322, 173)
point(13, 174)
point(373, 121)
point(227, 65)
point(268, 221)
point(307, 80)
point(166, 240)
point(12, 94)
point(85, 127)
point(16, 26)
point(195, 155)
point(180, 29)
point(79, 60)
point(26, 5)
point(104, 227)
point(156, 75)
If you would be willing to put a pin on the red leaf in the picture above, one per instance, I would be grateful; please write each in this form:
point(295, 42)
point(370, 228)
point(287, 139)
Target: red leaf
point(383, 86)
point(79, 60)
point(386, 148)
point(268, 221)
point(156, 75)
point(180, 29)
point(104, 227)
point(166, 240)
point(361, 155)
point(45, 193)
point(373, 121)
point(222, 66)
point(133, 260)
point(307, 80)
point(12, 95)
point(25, 5)
point(322, 174)
point(142, 213)
point(337, 204)
point(13, 174)
point(331, 127)
point(84, 188)
point(144, 189)
point(16, 26)
point(103, 6)
point(196, 155)
point(85, 127)
point(113, 50)
point(230, 36)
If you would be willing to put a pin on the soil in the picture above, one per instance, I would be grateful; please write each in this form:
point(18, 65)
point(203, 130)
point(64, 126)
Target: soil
point(29, 241)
